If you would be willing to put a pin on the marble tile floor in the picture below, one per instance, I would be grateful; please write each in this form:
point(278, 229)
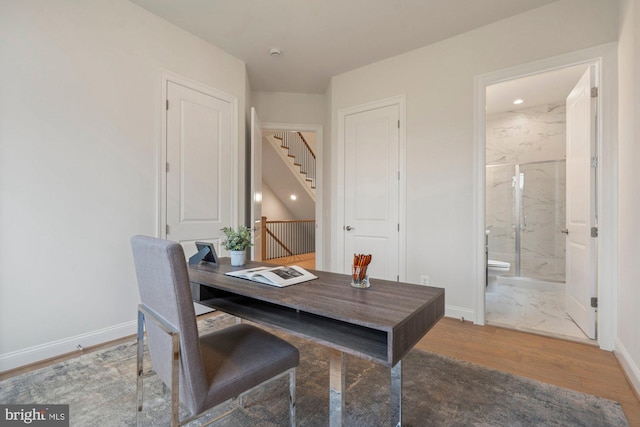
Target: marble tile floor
point(531, 306)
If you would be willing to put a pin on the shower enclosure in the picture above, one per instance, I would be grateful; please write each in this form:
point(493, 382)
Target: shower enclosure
point(525, 216)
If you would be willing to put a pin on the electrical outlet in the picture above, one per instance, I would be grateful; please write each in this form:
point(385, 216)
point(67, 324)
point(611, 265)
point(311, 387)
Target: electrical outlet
point(424, 280)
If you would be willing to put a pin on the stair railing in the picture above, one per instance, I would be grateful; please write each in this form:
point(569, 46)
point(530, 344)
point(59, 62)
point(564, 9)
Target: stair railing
point(287, 238)
point(302, 154)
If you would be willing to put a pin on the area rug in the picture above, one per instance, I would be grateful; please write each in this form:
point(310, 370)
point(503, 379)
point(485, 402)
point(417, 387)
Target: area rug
point(437, 391)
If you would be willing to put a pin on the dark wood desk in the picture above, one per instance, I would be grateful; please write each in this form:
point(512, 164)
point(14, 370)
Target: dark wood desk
point(381, 323)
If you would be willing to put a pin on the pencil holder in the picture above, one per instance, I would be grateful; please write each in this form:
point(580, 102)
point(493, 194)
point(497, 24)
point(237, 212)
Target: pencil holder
point(359, 277)
point(364, 283)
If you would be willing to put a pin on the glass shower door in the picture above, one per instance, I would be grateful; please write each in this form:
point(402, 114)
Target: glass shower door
point(542, 217)
point(500, 208)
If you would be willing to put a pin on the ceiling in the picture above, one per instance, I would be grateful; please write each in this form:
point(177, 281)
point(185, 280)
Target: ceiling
point(322, 38)
point(546, 88)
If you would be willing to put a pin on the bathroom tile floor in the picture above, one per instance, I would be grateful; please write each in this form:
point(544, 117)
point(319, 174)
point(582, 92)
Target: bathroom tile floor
point(536, 307)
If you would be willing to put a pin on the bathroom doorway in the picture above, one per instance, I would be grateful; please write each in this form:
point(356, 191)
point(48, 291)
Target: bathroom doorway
point(525, 203)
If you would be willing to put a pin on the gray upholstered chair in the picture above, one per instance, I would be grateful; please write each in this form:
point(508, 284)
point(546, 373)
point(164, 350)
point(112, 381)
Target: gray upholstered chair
point(201, 371)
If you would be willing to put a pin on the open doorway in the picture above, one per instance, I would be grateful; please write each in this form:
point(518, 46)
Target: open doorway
point(291, 194)
point(527, 196)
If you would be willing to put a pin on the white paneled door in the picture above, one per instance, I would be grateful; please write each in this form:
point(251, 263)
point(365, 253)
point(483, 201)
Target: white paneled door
point(581, 284)
point(198, 171)
point(256, 186)
point(372, 189)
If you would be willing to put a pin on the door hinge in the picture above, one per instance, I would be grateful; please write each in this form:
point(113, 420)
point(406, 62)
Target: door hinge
point(167, 106)
point(398, 226)
point(398, 278)
point(167, 167)
point(167, 229)
point(398, 124)
point(594, 231)
point(594, 162)
point(594, 302)
point(594, 92)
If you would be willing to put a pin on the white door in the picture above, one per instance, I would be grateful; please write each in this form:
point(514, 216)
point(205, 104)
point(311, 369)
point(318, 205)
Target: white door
point(256, 186)
point(581, 247)
point(372, 195)
point(198, 177)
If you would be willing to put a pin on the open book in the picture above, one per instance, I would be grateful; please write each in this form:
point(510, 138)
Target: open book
point(275, 276)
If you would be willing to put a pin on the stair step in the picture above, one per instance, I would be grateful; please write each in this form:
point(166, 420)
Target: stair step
point(291, 144)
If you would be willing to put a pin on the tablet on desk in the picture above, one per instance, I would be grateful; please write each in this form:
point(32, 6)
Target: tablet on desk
point(206, 252)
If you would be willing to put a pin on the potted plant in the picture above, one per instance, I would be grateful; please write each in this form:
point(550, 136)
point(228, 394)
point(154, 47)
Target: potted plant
point(237, 242)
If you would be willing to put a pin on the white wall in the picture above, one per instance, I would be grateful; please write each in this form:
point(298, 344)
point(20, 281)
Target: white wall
point(79, 132)
point(438, 83)
point(272, 206)
point(282, 107)
point(628, 343)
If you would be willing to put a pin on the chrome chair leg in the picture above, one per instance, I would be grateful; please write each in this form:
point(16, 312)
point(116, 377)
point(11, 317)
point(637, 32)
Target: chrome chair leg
point(175, 362)
point(175, 381)
point(292, 397)
point(336, 388)
point(140, 348)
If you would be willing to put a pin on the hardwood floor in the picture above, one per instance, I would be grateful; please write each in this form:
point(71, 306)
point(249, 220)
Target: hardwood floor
point(307, 261)
point(572, 365)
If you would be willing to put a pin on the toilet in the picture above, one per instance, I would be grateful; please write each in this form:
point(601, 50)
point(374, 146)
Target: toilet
point(496, 268)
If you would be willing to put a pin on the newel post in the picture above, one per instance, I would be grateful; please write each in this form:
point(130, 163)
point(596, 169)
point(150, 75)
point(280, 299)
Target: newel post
point(263, 239)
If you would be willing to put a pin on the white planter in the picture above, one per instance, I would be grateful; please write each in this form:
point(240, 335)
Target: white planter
point(238, 258)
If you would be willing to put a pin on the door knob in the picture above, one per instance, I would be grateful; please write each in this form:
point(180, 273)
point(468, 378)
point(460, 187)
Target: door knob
point(349, 228)
point(565, 231)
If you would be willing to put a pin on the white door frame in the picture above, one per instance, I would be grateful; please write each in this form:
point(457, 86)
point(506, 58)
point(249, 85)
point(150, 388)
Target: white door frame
point(161, 154)
point(337, 254)
point(255, 185)
point(319, 212)
point(604, 57)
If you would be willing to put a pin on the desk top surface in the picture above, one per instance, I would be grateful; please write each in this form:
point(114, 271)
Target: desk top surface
point(383, 306)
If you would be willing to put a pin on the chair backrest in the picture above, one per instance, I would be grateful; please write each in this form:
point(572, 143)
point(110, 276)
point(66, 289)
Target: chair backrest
point(163, 282)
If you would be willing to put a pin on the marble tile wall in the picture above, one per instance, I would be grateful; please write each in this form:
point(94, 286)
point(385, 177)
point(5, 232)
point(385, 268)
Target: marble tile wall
point(534, 138)
point(527, 135)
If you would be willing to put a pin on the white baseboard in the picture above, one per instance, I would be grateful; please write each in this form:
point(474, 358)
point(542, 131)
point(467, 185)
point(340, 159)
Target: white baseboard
point(16, 359)
point(628, 365)
point(459, 313)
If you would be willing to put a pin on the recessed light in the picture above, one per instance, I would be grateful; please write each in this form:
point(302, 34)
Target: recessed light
point(293, 197)
point(518, 101)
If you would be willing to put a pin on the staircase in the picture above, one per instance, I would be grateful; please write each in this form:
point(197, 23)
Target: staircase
point(303, 156)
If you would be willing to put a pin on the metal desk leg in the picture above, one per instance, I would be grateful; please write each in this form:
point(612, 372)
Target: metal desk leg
point(396, 394)
point(336, 388)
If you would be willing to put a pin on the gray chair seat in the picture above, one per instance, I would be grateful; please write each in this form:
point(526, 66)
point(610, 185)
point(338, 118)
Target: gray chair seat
point(231, 365)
